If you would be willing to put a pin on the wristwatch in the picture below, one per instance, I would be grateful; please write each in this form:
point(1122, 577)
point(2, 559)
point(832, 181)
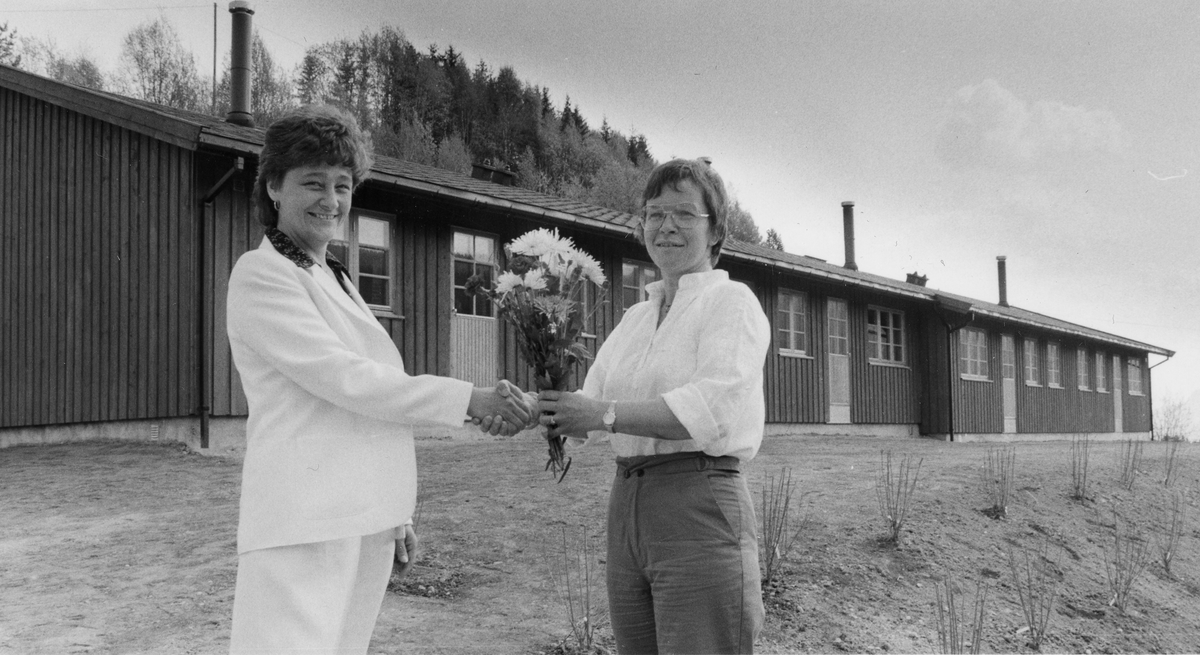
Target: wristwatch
point(610, 417)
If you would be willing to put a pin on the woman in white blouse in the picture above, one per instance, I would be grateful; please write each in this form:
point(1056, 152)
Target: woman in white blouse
point(678, 389)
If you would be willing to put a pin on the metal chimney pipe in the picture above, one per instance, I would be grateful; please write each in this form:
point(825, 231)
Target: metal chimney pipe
point(1002, 274)
point(239, 66)
point(848, 232)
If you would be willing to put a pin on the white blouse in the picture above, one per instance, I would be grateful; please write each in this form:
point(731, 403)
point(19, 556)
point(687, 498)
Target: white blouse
point(705, 360)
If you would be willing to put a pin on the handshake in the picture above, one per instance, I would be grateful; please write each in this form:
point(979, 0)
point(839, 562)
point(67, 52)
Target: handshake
point(503, 409)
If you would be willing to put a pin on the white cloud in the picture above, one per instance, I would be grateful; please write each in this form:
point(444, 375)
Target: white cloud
point(987, 125)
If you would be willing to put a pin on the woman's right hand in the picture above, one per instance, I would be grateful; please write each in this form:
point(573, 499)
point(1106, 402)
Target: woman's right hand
point(505, 402)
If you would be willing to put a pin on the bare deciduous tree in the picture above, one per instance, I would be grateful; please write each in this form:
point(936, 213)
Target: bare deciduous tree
point(156, 67)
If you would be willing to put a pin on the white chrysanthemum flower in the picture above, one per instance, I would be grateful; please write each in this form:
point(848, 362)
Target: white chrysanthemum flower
point(590, 268)
point(507, 282)
point(534, 279)
point(539, 243)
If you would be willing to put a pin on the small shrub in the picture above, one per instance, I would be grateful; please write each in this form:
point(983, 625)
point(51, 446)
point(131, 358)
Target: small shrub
point(1131, 460)
point(1171, 462)
point(998, 479)
point(1036, 579)
point(894, 488)
point(1172, 531)
point(778, 537)
point(953, 632)
point(1079, 468)
point(1124, 561)
point(578, 583)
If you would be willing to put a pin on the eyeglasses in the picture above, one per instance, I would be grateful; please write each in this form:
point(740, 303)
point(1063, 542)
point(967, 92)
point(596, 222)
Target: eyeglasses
point(686, 215)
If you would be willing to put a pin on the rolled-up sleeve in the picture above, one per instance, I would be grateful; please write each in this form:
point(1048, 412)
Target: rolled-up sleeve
point(728, 378)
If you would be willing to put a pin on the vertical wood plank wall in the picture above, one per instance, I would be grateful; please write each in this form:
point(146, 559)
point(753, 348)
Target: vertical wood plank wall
point(96, 287)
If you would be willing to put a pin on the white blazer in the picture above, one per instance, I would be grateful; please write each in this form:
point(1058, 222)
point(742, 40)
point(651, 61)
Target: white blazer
point(329, 440)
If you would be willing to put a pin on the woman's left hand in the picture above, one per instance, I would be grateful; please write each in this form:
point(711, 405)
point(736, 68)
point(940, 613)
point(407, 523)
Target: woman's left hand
point(569, 413)
point(406, 551)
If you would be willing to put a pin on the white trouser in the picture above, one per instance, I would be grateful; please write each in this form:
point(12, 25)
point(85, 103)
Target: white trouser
point(322, 597)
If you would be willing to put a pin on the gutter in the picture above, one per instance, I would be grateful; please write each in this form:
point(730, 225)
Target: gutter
point(202, 333)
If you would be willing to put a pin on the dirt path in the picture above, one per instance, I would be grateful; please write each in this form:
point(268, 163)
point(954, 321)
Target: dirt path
point(129, 548)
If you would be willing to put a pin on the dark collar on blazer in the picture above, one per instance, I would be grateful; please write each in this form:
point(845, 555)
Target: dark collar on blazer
point(288, 248)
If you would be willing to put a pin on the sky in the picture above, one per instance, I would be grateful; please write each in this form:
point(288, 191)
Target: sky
point(1063, 135)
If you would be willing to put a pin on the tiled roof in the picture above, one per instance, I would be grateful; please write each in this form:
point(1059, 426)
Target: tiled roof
point(203, 129)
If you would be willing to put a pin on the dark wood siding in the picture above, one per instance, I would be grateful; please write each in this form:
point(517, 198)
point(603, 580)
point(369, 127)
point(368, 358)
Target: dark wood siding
point(881, 393)
point(978, 404)
point(96, 298)
point(795, 387)
point(1136, 408)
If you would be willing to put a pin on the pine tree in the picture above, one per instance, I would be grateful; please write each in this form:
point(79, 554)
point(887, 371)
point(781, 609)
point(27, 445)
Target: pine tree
point(773, 240)
point(8, 46)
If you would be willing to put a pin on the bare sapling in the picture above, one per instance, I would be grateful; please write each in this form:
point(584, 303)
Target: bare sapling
point(998, 479)
point(577, 579)
point(954, 633)
point(894, 487)
point(1171, 531)
point(1079, 468)
point(779, 528)
point(1170, 462)
point(1037, 579)
point(1125, 558)
point(1131, 461)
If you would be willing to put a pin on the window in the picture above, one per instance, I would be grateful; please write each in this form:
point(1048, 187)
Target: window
point(973, 353)
point(885, 335)
point(1032, 376)
point(634, 278)
point(839, 327)
point(474, 254)
point(1135, 377)
point(1081, 369)
point(1008, 357)
point(1101, 374)
point(792, 323)
point(363, 243)
point(1053, 365)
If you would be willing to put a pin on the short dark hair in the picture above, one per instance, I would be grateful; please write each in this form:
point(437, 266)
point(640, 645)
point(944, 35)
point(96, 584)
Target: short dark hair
point(712, 189)
point(310, 135)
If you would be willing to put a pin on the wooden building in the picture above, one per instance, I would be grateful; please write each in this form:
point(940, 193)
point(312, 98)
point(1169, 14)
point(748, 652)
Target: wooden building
point(120, 221)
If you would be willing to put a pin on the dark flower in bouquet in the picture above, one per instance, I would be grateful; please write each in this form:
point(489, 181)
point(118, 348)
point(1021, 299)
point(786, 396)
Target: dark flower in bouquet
point(540, 294)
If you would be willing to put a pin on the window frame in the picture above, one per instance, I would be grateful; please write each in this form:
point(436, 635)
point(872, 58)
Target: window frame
point(1029, 354)
point(454, 259)
point(1101, 372)
point(977, 368)
point(1083, 376)
point(353, 260)
point(1134, 364)
point(875, 341)
point(794, 332)
point(1054, 365)
point(640, 269)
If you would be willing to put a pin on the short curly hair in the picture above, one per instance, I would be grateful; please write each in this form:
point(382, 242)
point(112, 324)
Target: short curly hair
point(310, 135)
point(712, 188)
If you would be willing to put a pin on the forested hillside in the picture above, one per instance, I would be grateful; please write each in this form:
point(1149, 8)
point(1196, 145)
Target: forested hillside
point(426, 105)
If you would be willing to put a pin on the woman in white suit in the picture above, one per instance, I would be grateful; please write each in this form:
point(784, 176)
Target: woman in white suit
point(329, 480)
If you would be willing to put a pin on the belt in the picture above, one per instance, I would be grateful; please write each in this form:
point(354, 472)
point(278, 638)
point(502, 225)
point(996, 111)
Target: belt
point(675, 463)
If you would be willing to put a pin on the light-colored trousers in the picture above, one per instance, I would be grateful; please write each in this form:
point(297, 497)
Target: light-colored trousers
point(682, 565)
point(321, 597)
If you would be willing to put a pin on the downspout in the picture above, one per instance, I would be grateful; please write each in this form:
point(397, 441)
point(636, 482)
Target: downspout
point(206, 208)
point(1152, 390)
point(951, 328)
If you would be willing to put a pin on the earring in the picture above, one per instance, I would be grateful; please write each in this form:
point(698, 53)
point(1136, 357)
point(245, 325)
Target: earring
point(276, 205)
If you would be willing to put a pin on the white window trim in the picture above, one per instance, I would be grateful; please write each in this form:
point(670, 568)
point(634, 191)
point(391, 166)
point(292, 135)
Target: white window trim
point(964, 342)
point(1130, 365)
point(1057, 348)
point(1083, 375)
point(1101, 373)
point(389, 310)
point(872, 357)
point(1025, 353)
point(641, 265)
point(803, 315)
point(495, 256)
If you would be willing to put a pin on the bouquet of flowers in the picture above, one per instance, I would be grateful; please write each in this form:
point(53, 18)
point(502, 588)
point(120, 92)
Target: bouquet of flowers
point(541, 295)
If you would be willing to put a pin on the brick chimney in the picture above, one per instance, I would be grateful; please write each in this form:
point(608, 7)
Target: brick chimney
point(239, 66)
point(848, 233)
point(1002, 275)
